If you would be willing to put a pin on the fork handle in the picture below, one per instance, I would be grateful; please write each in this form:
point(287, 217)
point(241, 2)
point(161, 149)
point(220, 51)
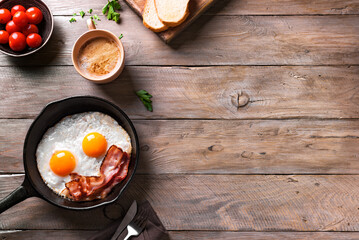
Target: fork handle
point(131, 232)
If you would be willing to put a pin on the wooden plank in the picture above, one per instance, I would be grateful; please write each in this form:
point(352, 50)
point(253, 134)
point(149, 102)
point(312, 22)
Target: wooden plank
point(46, 234)
point(213, 203)
point(228, 7)
point(195, 7)
point(219, 40)
point(184, 235)
point(285, 7)
point(272, 92)
point(225, 147)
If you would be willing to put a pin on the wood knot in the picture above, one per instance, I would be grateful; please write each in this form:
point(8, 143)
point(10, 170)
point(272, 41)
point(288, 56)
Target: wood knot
point(240, 99)
point(246, 154)
point(215, 148)
point(145, 148)
point(292, 179)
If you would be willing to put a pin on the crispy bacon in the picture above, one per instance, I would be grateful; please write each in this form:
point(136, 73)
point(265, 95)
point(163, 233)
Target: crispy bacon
point(113, 170)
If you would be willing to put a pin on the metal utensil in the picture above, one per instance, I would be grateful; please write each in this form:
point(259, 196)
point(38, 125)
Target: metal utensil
point(131, 213)
point(137, 225)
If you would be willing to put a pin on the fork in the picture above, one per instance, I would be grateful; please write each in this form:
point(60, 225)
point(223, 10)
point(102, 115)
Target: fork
point(137, 225)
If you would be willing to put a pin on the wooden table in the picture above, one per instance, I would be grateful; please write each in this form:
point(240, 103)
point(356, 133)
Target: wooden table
point(255, 129)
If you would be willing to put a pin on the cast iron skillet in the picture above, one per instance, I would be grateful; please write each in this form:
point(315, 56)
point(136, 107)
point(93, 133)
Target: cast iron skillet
point(33, 184)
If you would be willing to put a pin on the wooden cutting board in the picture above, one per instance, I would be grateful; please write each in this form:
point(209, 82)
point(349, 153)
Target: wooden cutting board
point(196, 8)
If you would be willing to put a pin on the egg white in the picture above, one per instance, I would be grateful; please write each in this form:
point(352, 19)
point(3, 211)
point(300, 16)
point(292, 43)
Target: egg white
point(68, 134)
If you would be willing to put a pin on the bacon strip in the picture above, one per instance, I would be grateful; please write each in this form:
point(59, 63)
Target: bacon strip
point(114, 169)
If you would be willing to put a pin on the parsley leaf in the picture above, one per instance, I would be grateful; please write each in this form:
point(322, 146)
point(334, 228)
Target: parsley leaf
point(72, 20)
point(110, 8)
point(116, 5)
point(93, 20)
point(95, 17)
point(82, 13)
point(145, 98)
point(121, 36)
point(90, 11)
point(74, 14)
point(110, 12)
point(116, 17)
point(105, 8)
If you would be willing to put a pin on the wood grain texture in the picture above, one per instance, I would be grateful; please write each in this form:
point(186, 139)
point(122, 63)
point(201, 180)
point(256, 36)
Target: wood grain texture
point(210, 202)
point(247, 40)
point(192, 92)
point(205, 235)
point(195, 7)
point(225, 147)
point(184, 235)
point(229, 7)
point(214, 126)
point(285, 7)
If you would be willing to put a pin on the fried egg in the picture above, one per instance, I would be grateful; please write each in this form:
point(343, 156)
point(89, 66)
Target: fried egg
point(78, 144)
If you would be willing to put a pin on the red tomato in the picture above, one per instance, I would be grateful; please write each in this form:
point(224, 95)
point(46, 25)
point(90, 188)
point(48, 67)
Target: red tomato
point(20, 19)
point(17, 41)
point(16, 8)
point(4, 37)
point(34, 14)
point(5, 15)
point(31, 28)
point(34, 40)
point(11, 27)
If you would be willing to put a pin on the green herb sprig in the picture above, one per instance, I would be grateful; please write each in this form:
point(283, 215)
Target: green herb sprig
point(82, 14)
point(95, 18)
point(110, 8)
point(145, 98)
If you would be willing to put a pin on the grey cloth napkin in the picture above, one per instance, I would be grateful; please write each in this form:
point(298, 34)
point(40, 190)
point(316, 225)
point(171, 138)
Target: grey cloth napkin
point(154, 229)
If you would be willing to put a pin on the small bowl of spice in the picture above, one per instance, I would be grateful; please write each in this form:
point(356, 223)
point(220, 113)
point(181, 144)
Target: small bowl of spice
point(98, 55)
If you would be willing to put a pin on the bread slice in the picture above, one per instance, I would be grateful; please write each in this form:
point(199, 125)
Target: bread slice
point(150, 18)
point(172, 12)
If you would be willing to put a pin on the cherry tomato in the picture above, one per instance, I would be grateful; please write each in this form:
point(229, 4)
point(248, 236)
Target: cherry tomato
point(34, 40)
point(4, 37)
point(20, 19)
point(5, 15)
point(16, 8)
point(11, 27)
point(31, 28)
point(34, 15)
point(17, 41)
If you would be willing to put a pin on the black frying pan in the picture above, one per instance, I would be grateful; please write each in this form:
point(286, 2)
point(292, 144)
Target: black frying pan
point(33, 184)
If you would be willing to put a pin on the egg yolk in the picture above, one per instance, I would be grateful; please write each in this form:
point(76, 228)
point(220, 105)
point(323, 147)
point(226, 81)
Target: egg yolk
point(62, 163)
point(94, 144)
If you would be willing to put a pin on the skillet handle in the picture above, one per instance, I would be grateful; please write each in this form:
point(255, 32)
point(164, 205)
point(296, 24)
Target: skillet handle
point(18, 195)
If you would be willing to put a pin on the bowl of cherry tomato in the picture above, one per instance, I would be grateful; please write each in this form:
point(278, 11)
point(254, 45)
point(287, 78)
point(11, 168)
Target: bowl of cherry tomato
point(25, 26)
